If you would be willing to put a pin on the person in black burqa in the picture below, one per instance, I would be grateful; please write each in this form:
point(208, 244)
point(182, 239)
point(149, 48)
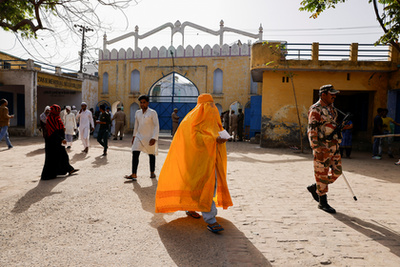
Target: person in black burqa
point(56, 157)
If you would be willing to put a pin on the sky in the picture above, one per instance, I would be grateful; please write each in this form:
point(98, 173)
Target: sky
point(351, 22)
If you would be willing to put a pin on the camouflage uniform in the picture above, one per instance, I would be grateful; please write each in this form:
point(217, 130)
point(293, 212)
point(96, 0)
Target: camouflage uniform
point(327, 160)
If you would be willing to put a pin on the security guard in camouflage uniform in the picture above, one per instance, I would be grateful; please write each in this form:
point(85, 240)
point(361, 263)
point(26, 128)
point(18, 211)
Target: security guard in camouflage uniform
point(322, 118)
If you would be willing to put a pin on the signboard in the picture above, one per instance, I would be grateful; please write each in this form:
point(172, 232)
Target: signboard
point(53, 81)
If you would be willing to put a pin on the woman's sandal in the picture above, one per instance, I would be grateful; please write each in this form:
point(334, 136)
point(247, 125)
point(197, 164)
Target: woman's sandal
point(130, 177)
point(193, 214)
point(73, 171)
point(215, 227)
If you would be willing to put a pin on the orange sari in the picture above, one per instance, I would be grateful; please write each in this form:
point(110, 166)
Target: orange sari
point(187, 178)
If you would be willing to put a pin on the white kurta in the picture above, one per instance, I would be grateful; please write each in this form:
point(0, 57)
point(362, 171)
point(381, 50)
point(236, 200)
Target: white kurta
point(70, 123)
point(62, 115)
point(146, 128)
point(85, 122)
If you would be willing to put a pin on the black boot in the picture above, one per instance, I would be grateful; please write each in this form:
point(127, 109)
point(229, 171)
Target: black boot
point(313, 190)
point(323, 205)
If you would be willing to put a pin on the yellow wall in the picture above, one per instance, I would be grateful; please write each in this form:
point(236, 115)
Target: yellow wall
point(280, 126)
point(199, 70)
point(16, 63)
point(279, 109)
point(4, 56)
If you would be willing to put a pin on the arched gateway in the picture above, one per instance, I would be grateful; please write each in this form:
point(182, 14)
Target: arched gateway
point(170, 92)
point(174, 76)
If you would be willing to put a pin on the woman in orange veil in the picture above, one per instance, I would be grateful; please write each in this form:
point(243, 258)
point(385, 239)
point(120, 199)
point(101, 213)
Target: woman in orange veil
point(193, 177)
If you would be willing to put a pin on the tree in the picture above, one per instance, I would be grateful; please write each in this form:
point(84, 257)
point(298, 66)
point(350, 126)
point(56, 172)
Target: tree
point(389, 19)
point(29, 16)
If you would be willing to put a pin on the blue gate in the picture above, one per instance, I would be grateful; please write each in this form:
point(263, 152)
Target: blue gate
point(252, 116)
point(164, 111)
point(170, 92)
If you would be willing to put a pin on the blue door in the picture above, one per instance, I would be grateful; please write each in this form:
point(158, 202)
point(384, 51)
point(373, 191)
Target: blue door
point(252, 116)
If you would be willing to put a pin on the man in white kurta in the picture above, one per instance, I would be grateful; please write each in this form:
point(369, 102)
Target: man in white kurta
point(86, 125)
point(145, 136)
point(70, 126)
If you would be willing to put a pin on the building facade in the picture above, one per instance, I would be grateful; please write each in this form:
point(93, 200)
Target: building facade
point(365, 85)
point(29, 88)
point(173, 77)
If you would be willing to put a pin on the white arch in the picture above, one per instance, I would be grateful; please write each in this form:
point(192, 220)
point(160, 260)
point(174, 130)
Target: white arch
point(115, 105)
point(235, 106)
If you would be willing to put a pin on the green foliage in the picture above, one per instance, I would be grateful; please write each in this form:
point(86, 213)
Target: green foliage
point(23, 16)
point(316, 7)
point(26, 17)
point(389, 19)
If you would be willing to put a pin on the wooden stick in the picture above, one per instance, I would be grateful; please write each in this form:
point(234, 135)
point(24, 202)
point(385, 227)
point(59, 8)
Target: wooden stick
point(385, 135)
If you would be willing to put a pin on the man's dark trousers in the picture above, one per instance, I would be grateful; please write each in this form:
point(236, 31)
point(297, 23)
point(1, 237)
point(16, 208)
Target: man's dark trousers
point(102, 138)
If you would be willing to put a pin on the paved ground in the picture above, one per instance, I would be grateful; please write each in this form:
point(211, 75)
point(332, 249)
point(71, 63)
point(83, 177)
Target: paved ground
point(95, 218)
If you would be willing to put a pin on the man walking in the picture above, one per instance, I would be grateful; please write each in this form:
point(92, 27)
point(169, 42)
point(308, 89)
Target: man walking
point(70, 126)
point(5, 122)
point(175, 121)
point(226, 120)
point(120, 122)
point(145, 136)
point(112, 125)
point(104, 122)
point(86, 125)
point(324, 142)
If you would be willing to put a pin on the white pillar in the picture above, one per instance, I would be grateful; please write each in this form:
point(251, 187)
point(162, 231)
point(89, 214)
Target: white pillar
point(30, 90)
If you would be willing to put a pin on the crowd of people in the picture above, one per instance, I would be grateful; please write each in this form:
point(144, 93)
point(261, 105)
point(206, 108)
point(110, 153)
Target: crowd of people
point(383, 132)
point(233, 124)
point(61, 126)
point(193, 176)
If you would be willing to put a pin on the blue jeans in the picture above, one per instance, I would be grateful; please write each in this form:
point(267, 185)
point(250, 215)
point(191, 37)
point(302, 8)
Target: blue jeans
point(375, 147)
point(4, 133)
point(209, 217)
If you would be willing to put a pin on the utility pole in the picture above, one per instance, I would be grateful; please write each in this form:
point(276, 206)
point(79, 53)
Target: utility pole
point(82, 29)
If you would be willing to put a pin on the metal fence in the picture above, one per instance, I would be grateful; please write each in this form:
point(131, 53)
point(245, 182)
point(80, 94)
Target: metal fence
point(366, 52)
point(23, 64)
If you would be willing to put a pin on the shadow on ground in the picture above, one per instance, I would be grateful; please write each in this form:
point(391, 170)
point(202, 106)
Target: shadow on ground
point(100, 161)
point(43, 189)
point(380, 234)
point(78, 157)
point(189, 243)
point(147, 199)
point(35, 152)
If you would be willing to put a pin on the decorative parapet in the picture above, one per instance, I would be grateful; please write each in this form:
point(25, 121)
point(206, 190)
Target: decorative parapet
point(179, 52)
point(179, 27)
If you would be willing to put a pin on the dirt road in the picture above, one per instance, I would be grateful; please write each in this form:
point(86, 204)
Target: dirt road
point(96, 218)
